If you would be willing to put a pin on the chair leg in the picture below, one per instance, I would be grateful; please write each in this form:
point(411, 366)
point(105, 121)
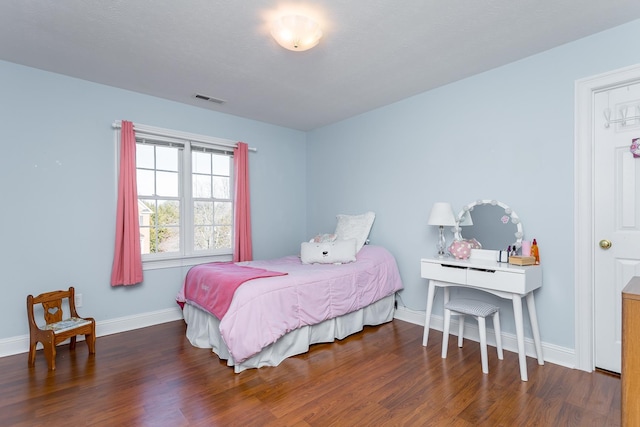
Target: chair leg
point(483, 344)
point(50, 354)
point(445, 332)
point(32, 353)
point(72, 343)
point(496, 328)
point(91, 342)
point(460, 330)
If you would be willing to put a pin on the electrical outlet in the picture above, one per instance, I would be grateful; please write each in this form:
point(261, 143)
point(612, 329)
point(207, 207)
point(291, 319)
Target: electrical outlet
point(78, 300)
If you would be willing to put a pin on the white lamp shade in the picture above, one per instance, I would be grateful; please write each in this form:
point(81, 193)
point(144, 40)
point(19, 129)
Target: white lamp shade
point(441, 214)
point(296, 32)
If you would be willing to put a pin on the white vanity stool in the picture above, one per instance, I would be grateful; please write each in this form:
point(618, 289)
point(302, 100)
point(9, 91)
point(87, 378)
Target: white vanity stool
point(480, 310)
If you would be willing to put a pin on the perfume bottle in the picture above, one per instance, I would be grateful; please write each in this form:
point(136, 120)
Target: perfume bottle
point(535, 251)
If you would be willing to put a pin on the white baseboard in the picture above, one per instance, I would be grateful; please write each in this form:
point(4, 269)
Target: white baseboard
point(551, 353)
point(20, 344)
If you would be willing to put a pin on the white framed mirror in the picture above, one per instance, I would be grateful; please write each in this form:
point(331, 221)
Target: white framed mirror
point(491, 222)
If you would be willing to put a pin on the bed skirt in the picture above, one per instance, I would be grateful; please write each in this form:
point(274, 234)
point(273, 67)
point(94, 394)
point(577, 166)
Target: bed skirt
point(203, 332)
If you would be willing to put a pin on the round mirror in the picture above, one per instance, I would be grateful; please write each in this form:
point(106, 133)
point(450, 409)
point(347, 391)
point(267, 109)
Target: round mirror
point(492, 223)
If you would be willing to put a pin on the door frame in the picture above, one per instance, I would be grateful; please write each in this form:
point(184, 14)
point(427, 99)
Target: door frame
point(584, 243)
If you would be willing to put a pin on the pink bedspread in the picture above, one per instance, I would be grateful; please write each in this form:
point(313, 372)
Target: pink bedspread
point(263, 310)
point(214, 284)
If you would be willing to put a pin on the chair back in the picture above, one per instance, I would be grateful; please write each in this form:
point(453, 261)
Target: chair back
point(52, 305)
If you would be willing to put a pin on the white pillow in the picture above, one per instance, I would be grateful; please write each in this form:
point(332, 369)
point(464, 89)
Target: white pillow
point(339, 251)
point(355, 227)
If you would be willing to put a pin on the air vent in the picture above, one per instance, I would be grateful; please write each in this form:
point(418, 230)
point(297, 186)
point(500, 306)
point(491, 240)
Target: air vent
point(209, 98)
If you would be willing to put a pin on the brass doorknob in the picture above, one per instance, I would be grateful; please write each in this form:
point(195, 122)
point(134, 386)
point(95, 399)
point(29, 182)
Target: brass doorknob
point(605, 244)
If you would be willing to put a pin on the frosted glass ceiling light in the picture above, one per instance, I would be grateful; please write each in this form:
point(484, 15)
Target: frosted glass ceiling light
point(296, 32)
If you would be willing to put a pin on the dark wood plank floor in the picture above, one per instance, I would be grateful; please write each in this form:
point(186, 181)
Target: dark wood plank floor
point(382, 376)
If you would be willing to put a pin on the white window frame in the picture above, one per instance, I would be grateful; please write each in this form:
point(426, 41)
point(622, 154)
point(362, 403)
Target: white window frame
point(152, 133)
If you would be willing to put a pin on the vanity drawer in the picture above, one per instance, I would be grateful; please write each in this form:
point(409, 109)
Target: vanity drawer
point(497, 280)
point(443, 273)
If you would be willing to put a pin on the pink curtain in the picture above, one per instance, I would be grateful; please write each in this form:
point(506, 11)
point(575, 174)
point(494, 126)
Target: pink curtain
point(127, 259)
point(242, 250)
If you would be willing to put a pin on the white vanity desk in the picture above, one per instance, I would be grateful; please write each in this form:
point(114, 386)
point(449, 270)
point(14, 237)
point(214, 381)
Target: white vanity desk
point(502, 279)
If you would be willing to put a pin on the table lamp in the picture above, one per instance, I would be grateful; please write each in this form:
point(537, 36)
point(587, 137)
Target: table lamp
point(441, 215)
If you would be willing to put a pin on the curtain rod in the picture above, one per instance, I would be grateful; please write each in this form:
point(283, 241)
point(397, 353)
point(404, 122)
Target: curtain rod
point(152, 130)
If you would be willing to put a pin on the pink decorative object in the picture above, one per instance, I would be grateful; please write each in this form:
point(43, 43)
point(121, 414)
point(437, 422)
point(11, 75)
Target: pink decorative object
point(460, 249)
point(474, 244)
point(324, 238)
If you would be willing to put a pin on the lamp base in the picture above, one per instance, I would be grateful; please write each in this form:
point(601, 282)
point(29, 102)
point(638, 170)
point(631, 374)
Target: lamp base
point(442, 244)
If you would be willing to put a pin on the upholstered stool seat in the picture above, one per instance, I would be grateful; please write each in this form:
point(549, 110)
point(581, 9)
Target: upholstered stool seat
point(480, 310)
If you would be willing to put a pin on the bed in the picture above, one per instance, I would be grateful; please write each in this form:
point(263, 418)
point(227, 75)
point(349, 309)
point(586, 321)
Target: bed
point(269, 319)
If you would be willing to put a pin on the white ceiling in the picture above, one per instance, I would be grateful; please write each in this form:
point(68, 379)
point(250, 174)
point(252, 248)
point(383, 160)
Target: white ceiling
point(373, 52)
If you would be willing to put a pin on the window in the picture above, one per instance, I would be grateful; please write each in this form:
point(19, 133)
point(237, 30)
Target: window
point(212, 205)
point(185, 198)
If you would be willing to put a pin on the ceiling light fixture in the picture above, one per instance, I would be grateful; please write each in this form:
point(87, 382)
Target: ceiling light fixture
point(296, 32)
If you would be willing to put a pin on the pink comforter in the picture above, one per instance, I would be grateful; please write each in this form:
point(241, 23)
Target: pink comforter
point(263, 310)
point(214, 284)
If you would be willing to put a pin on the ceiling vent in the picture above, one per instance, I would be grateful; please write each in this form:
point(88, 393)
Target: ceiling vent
point(209, 98)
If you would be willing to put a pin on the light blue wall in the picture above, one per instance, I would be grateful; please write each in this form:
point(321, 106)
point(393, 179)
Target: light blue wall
point(507, 134)
point(57, 175)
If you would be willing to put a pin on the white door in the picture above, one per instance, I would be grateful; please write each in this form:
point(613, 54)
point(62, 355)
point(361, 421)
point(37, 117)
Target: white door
point(616, 214)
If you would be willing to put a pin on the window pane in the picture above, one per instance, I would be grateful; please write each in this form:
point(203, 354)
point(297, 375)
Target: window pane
point(145, 240)
point(146, 211)
point(221, 164)
point(167, 158)
point(145, 182)
point(202, 186)
point(163, 232)
point(168, 213)
point(144, 156)
point(203, 213)
point(201, 162)
point(222, 237)
point(169, 239)
point(221, 187)
point(223, 213)
point(203, 238)
point(167, 184)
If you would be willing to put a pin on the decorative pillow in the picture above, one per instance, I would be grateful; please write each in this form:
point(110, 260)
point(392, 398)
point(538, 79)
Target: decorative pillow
point(324, 238)
point(355, 227)
point(337, 252)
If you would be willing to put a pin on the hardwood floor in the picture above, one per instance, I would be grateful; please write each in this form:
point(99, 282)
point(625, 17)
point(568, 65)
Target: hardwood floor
point(382, 376)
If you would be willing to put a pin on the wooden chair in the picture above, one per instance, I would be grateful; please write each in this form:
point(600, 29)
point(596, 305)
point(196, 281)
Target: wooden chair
point(57, 329)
